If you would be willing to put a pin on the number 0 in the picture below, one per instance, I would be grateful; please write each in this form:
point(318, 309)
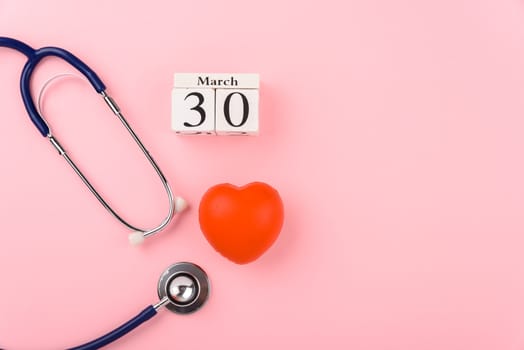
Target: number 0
point(245, 109)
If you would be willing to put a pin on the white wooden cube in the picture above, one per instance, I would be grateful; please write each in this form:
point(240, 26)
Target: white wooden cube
point(193, 111)
point(236, 111)
point(218, 103)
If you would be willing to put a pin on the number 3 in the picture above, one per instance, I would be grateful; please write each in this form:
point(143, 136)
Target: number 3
point(197, 108)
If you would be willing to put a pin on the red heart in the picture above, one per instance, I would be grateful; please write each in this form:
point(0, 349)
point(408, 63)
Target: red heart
point(241, 223)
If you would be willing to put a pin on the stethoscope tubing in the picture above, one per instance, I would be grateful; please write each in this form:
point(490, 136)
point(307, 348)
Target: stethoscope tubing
point(148, 313)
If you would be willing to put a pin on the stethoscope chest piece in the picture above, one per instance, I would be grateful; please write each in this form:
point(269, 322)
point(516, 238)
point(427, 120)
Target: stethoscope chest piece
point(185, 285)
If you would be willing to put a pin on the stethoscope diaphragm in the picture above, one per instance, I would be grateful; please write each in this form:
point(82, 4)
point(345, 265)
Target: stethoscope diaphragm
point(183, 288)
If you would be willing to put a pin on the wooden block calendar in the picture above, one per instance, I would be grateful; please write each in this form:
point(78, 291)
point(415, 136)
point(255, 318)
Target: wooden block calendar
point(217, 103)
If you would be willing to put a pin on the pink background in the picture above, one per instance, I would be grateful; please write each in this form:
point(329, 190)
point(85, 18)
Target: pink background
point(392, 129)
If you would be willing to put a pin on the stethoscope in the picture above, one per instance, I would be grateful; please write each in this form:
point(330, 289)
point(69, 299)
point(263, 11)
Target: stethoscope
point(183, 287)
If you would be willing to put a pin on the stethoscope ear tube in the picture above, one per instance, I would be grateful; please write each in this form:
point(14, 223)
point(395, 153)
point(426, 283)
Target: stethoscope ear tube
point(119, 332)
point(34, 57)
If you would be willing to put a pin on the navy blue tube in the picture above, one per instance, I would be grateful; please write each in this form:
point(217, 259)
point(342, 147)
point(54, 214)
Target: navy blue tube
point(127, 327)
point(33, 58)
point(17, 45)
point(25, 81)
